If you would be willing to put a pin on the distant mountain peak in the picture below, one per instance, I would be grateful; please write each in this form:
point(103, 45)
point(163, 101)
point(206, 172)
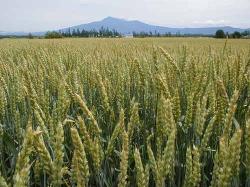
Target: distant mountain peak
point(111, 18)
point(125, 26)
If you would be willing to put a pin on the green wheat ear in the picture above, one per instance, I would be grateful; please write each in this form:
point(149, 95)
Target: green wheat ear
point(80, 168)
point(3, 182)
point(141, 173)
point(247, 139)
point(124, 161)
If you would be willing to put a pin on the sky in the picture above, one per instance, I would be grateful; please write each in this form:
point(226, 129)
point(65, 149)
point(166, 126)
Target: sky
point(42, 15)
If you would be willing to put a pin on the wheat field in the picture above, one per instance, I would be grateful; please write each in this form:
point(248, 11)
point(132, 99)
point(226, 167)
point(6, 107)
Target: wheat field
point(125, 112)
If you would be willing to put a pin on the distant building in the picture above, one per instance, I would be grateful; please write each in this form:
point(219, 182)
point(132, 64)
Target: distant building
point(247, 37)
point(128, 36)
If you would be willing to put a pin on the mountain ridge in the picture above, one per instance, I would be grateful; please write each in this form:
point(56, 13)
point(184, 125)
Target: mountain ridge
point(124, 27)
point(127, 27)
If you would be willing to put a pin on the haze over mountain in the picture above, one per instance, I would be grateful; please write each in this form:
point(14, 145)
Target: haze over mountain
point(128, 27)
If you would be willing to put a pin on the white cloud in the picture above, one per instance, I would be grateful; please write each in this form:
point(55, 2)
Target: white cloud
point(211, 22)
point(215, 22)
point(88, 1)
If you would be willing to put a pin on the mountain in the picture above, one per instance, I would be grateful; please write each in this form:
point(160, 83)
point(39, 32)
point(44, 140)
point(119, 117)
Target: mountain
point(128, 27)
point(13, 33)
point(5, 33)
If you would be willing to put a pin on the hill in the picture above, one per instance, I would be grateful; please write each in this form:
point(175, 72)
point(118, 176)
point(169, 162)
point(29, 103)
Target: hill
point(128, 27)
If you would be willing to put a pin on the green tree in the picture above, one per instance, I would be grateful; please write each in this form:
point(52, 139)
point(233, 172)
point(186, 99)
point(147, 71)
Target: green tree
point(236, 34)
point(220, 34)
point(53, 34)
point(30, 36)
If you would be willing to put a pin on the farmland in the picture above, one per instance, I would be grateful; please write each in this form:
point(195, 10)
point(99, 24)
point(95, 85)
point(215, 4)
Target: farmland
point(125, 112)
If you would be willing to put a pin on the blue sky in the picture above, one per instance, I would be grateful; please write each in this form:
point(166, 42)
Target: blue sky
point(40, 15)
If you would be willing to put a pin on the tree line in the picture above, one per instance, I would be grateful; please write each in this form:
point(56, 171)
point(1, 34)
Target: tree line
point(150, 34)
point(108, 33)
point(103, 32)
point(167, 34)
point(221, 34)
